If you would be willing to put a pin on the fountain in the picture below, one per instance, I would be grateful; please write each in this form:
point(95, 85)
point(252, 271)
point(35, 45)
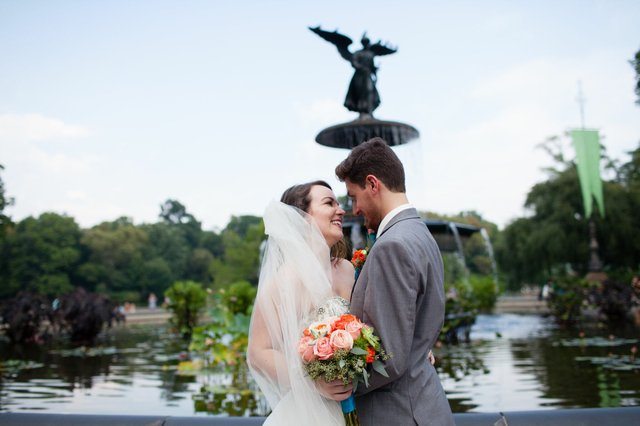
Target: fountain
point(363, 97)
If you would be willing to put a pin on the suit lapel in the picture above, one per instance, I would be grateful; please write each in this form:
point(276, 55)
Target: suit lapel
point(402, 216)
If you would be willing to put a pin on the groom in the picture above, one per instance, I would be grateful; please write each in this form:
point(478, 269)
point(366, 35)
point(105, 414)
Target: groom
point(399, 292)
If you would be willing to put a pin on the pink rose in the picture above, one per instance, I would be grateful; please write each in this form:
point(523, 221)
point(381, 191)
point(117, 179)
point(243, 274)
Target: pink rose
point(341, 339)
point(353, 328)
point(305, 349)
point(322, 349)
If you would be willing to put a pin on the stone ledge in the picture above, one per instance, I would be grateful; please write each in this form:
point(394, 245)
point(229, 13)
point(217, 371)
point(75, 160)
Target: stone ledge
point(560, 417)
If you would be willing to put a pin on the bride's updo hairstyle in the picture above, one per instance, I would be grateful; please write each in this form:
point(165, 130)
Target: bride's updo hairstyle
point(299, 196)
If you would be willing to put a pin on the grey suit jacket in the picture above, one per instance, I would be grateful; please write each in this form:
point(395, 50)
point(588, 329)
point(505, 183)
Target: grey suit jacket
point(400, 292)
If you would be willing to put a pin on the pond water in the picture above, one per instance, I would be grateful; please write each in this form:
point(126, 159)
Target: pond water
point(513, 362)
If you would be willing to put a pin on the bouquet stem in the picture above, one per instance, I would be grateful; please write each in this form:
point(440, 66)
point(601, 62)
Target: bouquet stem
point(349, 411)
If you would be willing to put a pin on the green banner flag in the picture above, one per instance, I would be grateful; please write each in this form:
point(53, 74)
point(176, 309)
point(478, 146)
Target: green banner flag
point(587, 145)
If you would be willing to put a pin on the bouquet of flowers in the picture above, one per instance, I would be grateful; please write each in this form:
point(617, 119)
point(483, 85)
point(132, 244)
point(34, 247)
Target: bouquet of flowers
point(341, 348)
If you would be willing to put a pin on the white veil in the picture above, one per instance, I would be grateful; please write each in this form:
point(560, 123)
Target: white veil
point(295, 280)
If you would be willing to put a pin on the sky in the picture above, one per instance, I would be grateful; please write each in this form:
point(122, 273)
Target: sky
point(107, 109)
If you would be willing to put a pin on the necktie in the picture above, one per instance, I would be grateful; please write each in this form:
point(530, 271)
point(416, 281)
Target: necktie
point(371, 239)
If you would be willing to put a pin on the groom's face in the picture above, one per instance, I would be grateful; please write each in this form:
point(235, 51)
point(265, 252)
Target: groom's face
point(364, 204)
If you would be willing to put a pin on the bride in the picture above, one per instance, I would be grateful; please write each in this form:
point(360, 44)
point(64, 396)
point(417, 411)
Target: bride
point(304, 275)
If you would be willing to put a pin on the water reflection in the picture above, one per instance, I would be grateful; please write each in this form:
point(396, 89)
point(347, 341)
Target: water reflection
point(526, 362)
point(512, 363)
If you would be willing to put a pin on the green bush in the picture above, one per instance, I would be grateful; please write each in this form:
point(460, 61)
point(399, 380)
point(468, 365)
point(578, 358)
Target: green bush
point(223, 342)
point(484, 292)
point(238, 297)
point(568, 295)
point(465, 298)
point(186, 300)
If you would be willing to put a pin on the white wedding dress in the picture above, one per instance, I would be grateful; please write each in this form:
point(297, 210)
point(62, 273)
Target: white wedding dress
point(294, 290)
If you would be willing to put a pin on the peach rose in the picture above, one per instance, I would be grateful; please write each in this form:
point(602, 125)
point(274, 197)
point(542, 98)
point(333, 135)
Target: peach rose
point(353, 328)
point(341, 339)
point(305, 349)
point(322, 349)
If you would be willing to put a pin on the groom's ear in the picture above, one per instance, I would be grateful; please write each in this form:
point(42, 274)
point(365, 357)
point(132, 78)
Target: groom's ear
point(373, 183)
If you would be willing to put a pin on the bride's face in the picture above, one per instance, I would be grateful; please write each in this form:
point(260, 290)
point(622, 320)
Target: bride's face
point(326, 211)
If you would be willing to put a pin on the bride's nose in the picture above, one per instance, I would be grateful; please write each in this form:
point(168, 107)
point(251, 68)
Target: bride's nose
point(340, 211)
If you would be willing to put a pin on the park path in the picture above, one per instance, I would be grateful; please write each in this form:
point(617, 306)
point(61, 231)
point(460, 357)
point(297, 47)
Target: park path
point(520, 305)
point(148, 316)
point(505, 305)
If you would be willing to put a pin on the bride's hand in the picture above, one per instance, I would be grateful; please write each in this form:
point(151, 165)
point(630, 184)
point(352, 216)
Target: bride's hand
point(432, 359)
point(335, 390)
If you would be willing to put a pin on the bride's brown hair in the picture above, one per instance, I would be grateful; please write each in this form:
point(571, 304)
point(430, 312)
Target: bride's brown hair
point(298, 196)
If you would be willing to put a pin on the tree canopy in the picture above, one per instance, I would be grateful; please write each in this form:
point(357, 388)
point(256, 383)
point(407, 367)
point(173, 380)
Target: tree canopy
point(554, 238)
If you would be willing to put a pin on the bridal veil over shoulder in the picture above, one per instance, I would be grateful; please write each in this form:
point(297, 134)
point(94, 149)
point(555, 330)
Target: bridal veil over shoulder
point(295, 280)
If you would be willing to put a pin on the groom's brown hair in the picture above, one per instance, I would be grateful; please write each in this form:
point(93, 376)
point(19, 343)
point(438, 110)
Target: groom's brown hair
point(373, 157)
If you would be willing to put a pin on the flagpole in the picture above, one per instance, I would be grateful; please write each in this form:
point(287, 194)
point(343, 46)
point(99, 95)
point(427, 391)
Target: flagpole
point(595, 264)
point(581, 101)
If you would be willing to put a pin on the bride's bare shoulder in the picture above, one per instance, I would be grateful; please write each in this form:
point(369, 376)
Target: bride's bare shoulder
point(343, 278)
point(345, 267)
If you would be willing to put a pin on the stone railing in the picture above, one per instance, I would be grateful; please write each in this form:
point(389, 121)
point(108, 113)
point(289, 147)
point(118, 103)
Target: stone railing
point(561, 417)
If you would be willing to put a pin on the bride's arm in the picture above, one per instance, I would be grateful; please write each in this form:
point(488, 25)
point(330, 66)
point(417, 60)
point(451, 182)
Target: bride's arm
point(261, 354)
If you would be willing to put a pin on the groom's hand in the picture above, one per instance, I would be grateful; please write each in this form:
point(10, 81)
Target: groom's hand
point(335, 390)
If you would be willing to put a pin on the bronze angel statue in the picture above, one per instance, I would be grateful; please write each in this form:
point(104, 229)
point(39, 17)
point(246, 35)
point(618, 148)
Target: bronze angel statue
point(362, 95)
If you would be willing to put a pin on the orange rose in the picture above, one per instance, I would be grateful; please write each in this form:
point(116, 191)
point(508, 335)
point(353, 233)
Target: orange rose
point(343, 321)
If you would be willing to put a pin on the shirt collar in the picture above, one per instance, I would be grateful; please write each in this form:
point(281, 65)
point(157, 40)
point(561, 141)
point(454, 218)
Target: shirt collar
point(391, 215)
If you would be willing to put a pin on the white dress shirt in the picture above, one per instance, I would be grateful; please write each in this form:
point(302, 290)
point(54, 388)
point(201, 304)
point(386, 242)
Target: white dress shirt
point(391, 215)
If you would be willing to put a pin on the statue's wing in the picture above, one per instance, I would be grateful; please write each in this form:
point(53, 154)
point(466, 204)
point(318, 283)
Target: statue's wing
point(341, 41)
point(380, 49)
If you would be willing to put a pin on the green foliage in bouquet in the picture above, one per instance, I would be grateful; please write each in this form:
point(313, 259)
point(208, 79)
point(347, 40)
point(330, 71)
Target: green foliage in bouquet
point(186, 300)
point(345, 367)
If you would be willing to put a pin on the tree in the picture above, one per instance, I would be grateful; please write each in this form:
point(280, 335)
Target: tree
point(554, 238)
point(43, 255)
point(241, 258)
point(636, 66)
point(168, 242)
point(629, 173)
point(242, 224)
point(173, 213)
point(115, 260)
point(198, 266)
point(5, 224)
point(5, 202)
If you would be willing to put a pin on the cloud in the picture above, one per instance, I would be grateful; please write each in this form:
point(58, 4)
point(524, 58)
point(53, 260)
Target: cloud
point(35, 127)
point(490, 162)
point(21, 137)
